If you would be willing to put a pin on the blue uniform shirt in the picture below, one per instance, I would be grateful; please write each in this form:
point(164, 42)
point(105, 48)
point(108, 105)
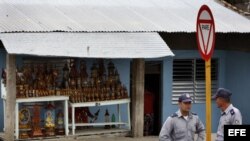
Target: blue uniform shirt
point(231, 116)
point(177, 128)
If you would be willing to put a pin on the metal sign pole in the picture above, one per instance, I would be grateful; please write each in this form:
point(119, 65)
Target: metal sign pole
point(208, 99)
point(205, 34)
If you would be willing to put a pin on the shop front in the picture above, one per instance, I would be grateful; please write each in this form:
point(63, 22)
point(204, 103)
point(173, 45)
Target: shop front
point(74, 84)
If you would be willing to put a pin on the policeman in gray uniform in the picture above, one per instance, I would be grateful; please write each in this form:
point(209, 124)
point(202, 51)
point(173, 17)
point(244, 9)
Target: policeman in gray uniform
point(183, 124)
point(229, 114)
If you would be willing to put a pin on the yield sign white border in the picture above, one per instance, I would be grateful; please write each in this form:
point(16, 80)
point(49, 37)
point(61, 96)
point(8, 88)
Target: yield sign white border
point(205, 32)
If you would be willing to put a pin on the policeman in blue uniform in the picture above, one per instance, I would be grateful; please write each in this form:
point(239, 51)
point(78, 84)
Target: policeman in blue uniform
point(183, 125)
point(229, 114)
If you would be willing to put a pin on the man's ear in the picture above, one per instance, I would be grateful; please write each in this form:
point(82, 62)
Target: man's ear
point(179, 103)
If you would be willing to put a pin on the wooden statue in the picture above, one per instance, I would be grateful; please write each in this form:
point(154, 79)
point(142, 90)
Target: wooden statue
point(37, 132)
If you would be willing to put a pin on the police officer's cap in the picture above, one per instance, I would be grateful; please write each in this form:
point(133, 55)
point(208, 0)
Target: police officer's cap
point(185, 98)
point(222, 92)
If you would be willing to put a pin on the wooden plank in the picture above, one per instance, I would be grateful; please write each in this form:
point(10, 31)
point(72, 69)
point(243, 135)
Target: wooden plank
point(138, 72)
point(10, 97)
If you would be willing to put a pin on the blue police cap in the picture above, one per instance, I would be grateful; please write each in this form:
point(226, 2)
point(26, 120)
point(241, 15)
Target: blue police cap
point(185, 98)
point(222, 92)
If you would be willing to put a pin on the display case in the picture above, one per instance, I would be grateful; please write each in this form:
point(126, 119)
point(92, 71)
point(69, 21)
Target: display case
point(36, 130)
point(117, 103)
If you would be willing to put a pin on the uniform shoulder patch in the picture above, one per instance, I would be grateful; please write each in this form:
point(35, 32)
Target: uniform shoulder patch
point(232, 112)
point(237, 122)
point(194, 113)
point(174, 115)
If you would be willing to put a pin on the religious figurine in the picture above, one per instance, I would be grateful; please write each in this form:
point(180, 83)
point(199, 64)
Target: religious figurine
point(21, 91)
point(111, 73)
point(50, 120)
point(26, 71)
point(102, 95)
point(118, 94)
point(40, 78)
point(77, 95)
point(73, 75)
point(122, 93)
point(101, 72)
point(49, 78)
point(88, 97)
point(125, 92)
point(24, 123)
point(97, 95)
point(19, 76)
point(83, 74)
point(78, 82)
point(108, 93)
point(112, 93)
point(60, 123)
point(65, 82)
point(55, 74)
point(34, 74)
point(37, 132)
point(116, 77)
point(93, 93)
point(118, 91)
point(111, 69)
point(94, 75)
point(84, 95)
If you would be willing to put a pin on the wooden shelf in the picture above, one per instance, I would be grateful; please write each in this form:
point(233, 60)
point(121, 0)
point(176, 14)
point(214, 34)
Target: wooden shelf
point(117, 102)
point(100, 103)
point(99, 124)
point(42, 99)
point(99, 131)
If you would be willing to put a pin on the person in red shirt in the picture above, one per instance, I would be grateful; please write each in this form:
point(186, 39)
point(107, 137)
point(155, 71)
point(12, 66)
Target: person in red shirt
point(148, 112)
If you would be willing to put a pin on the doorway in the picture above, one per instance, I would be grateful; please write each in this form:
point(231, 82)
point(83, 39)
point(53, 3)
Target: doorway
point(153, 98)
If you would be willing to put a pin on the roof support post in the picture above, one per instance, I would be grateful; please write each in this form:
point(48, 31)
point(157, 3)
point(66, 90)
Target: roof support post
point(138, 71)
point(10, 97)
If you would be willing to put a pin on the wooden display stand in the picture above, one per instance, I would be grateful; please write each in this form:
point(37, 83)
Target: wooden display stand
point(42, 99)
point(101, 103)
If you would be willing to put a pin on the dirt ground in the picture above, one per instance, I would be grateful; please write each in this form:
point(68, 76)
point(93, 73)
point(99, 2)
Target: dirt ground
point(148, 138)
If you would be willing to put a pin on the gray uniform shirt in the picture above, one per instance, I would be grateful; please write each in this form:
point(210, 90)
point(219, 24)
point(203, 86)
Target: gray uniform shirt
point(177, 128)
point(231, 116)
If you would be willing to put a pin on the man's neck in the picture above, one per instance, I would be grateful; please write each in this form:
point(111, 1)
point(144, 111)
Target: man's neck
point(184, 113)
point(224, 107)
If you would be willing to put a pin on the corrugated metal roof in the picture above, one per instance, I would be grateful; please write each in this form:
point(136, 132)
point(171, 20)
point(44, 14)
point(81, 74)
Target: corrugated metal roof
point(87, 45)
point(113, 16)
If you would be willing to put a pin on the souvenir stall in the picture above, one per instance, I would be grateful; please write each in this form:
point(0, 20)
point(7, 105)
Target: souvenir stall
point(41, 85)
point(60, 93)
